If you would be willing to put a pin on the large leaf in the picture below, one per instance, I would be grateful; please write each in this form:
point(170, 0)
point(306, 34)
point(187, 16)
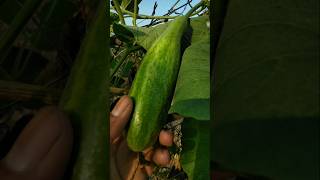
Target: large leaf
point(145, 37)
point(194, 159)
point(200, 28)
point(192, 92)
point(123, 33)
point(266, 99)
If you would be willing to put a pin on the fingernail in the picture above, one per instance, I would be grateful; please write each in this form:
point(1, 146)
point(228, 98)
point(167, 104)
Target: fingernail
point(120, 106)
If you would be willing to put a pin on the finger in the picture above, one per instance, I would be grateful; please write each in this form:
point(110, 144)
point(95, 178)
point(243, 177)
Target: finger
point(140, 174)
point(161, 157)
point(125, 159)
point(55, 162)
point(44, 145)
point(119, 117)
point(166, 138)
point(132, 170)
point(148, 155)
point(149, 170)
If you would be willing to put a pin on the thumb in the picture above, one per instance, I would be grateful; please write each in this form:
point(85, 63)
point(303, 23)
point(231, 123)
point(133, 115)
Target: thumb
point(119, 117)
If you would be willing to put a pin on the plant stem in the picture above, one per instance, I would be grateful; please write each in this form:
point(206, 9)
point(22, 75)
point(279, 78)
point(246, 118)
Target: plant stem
point(141, 16)
point(10, 90)
point(115, 90)
point(189, 13)
point(118, 9)
point(198, 11)
point(134, 20)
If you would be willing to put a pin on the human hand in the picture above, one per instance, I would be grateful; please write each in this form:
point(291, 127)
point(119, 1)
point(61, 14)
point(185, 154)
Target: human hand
point(42, 150)
point(124, 162)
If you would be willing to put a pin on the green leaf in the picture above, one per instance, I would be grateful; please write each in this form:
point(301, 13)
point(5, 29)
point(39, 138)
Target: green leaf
point(192, 92)
point(200, 28)
point(285, 148)
point(195, 152)
point(266, 98)
point(114, 17)
point(145, 37)
point(123, 33)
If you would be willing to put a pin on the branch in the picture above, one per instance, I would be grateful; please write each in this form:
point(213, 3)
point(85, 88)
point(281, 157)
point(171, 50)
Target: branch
point(172, 11)
point(198, 11)
point(141, 16)
point(189, 13)
point(118, 9)
point(115, 90)
point(174, 5)
point(153, 12)
point(134, 20)
point(10, 90)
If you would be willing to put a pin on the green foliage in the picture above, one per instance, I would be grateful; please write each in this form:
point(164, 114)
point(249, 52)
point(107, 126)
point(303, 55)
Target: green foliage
point(192, 93)
point(123, 33)
point(145, 37)
point(266, 89)
point(114, 17)
point(195, 152)
point(200, 30)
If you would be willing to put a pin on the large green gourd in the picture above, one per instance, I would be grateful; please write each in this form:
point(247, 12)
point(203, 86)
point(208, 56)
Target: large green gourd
point(154, 84)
